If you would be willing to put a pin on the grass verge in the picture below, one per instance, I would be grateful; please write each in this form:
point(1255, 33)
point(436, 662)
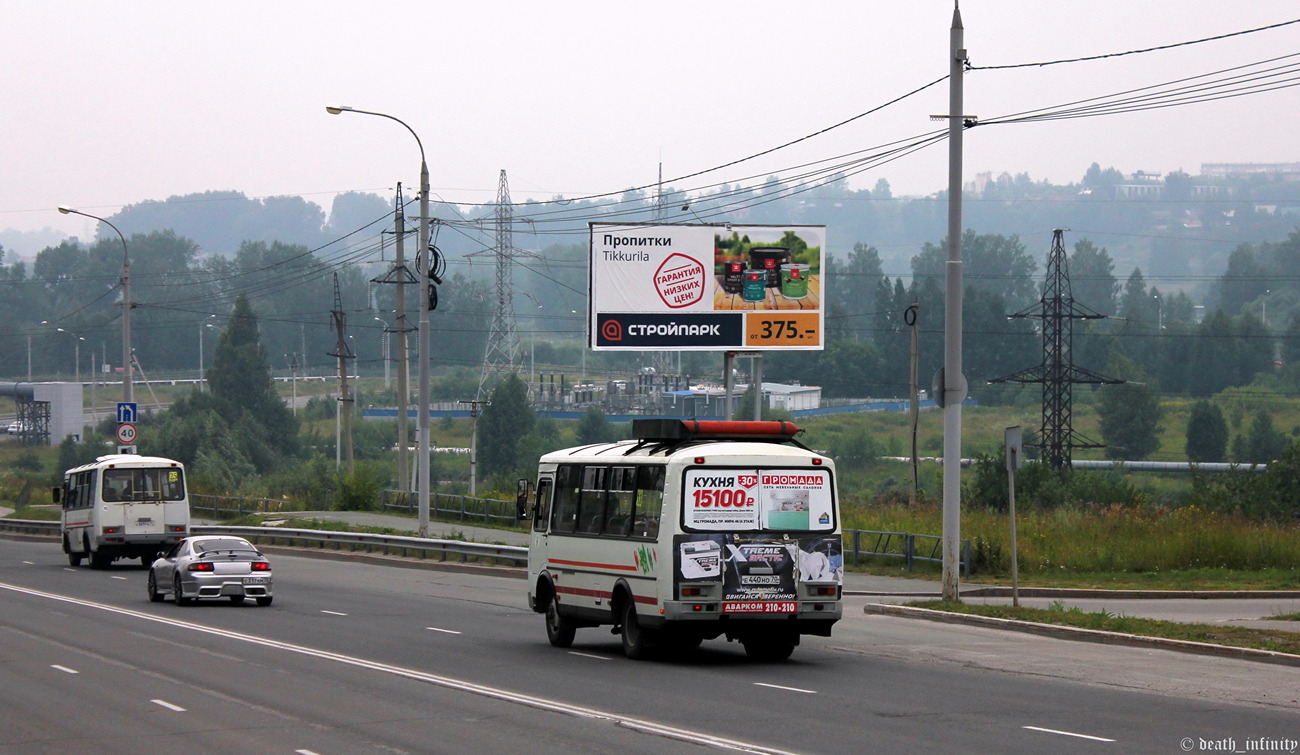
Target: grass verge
point(1242, 637)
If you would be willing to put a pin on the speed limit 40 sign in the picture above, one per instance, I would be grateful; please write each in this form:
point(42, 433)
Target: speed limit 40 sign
point(126, 433)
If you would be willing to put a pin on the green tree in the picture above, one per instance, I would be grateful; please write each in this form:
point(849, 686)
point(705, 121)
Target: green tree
point(594, 428)
point(1207, 433)
point(502, 427)
point(1129, 413)
point(1092, 277)
point(1261, 444)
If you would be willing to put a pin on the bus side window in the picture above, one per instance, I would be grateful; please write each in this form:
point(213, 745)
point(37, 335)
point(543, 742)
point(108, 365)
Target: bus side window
point(591, 504)
point(649, 501)
point(564, 512)
point(542, 508)
point(622, 492)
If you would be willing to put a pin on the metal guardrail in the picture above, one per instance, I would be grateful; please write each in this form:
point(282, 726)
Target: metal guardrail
point(29, 527)
point(387, 544)
point(401, 545)
point(902, 545)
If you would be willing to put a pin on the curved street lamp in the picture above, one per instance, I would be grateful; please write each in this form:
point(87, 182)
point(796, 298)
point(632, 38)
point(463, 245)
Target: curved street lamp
point(128, 395)
point(422, 266)
point(76, 353)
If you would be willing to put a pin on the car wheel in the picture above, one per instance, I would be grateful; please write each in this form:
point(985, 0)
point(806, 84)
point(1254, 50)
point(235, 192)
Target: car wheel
point(237, 599)
point(635, 640)
point(266, 601)
point(559, 630)
point(154, 595)
point(180, 599)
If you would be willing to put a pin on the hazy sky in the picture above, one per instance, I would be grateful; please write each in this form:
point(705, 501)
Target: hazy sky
point(109, 103)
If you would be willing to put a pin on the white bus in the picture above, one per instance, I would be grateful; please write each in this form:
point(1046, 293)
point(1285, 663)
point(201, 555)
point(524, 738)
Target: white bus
point(123, 506)
point(690, 531)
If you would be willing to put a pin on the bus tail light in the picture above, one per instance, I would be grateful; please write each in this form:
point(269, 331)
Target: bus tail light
point(692, 592)
point(112, 530)
point(200, 566)
point(830, 591)
point(175, 528)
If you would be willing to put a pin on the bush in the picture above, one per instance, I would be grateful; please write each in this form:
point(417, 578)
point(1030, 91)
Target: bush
point(359, 490)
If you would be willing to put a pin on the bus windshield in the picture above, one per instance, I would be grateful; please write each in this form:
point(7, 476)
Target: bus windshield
point(758, 500)
point(143, 484)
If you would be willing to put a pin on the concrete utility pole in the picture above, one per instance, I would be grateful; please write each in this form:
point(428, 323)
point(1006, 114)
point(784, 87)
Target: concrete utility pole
point(954, 383)
point(473, 442)
point(344, 352)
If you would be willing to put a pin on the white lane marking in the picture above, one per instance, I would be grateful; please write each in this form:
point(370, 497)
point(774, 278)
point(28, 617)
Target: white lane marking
point(788, 689)
point(30, 563)
point(168, 706)
point(334, 613)
point(483, 690)
point(306, 752)
point(1067, 733)
point(119, 577)
point(589, 655)
point(444, 631)
point(68, 569)
point(64, 669)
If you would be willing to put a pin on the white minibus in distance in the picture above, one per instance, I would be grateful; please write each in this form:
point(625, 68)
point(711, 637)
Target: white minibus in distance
point(690, 531)
point(123, 506)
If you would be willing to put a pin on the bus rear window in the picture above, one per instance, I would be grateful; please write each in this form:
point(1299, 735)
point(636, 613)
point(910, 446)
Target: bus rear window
point(755, 500)
point(143, 484)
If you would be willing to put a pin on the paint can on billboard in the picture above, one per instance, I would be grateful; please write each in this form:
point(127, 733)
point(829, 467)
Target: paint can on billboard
point(733, 277)
point(794, 280)
point(754, 286)
point(769, 259)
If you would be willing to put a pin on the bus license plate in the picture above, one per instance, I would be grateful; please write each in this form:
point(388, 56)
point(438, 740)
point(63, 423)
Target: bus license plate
point(760, 606)
point(254, 580)
point(144, 520)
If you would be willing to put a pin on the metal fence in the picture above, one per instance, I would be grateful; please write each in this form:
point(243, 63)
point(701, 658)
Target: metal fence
point(220, 506)
point(905, 545)
point(461, 507)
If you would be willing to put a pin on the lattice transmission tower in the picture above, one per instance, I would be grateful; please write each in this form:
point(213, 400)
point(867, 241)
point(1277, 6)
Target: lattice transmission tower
point(502, 356)
point(1058, 374)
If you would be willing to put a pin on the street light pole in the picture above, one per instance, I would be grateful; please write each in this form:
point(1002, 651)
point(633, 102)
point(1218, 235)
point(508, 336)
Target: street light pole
point(76, 353)
point(128, 395)
point(422, 266)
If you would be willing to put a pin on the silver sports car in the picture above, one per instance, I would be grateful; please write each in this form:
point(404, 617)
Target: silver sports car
point(211, 566)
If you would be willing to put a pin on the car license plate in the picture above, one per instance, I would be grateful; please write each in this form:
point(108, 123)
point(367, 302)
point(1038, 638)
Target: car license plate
point(255, 580)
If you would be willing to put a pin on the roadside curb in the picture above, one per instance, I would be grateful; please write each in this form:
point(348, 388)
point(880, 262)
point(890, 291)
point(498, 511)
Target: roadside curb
point(1085, 635)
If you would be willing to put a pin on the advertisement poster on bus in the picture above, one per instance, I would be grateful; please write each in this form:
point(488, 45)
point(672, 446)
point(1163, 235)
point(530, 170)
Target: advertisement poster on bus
point(706, 287)
point(747, 500)
point(758, 573)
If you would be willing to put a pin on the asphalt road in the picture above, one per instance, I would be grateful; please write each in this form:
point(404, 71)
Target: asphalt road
point(354, 657)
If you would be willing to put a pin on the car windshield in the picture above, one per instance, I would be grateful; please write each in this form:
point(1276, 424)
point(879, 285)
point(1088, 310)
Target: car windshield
point(223, 544)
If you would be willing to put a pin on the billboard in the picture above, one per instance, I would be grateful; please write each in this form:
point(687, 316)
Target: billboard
point(705, 287)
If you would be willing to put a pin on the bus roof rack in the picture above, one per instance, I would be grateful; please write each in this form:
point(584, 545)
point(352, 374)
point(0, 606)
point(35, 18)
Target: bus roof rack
point(684, 430)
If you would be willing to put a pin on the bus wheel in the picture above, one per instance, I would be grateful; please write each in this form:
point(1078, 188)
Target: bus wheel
point(100, 560)
point(635, 642)
point(559, 630)
point(74, 559)
point(768, 648)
